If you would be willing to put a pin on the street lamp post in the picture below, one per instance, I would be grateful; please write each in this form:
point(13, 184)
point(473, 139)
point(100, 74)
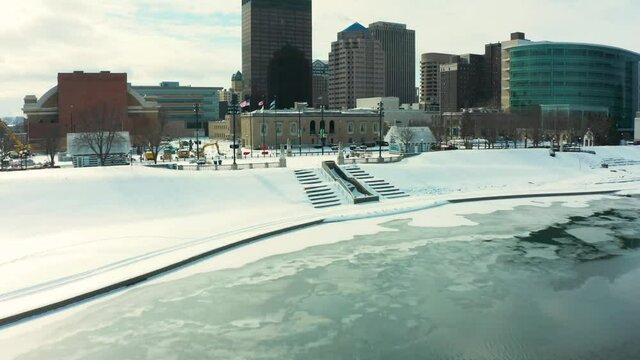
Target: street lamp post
point(322, 135)
point(299, 131)
point(234, 112)
point(380, 111)
point(264, 129)
point(196, 108)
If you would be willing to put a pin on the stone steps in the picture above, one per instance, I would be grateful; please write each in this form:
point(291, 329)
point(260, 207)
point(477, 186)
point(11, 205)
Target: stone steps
point(320, 193)
point(382, 187)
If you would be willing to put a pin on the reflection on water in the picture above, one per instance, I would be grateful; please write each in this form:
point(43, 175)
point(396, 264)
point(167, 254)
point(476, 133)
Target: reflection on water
point(499, 290)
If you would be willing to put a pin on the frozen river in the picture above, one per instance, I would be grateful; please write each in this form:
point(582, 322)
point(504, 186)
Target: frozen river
point(535, 282)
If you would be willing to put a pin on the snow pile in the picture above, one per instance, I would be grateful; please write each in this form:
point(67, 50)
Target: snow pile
point(505, 170)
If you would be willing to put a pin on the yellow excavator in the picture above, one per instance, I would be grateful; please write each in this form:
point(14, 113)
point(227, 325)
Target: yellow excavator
point(22, 150)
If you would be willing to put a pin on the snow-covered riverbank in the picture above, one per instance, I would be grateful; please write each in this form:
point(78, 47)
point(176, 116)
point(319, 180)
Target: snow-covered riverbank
point(68, 231)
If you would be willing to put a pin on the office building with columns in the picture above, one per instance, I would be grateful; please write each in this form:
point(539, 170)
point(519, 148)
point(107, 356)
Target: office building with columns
point(304, 125)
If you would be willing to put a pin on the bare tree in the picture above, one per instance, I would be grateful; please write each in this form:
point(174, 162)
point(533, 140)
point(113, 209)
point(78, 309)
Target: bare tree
point(52, 141)
point(5, 145)
point(100, 131)
point(468, 129)
point(406, 136)
point(438, 129)
point(603, 129)
point(154, 132)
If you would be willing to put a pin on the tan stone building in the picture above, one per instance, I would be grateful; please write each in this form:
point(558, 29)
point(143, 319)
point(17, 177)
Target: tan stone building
point(356, 68)
point(272, 128)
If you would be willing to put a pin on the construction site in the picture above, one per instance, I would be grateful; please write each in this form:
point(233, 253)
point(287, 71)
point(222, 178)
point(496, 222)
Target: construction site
point(15, 152)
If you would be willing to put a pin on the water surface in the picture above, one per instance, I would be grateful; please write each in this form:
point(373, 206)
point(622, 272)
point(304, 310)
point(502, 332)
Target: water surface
point(531, 283)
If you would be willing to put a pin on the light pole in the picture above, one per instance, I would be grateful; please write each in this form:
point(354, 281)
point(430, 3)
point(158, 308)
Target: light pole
point(322, 136)
point(380, 111)
point(234, 112)
point(299, 131)
point(196, 108)
point(264, 129)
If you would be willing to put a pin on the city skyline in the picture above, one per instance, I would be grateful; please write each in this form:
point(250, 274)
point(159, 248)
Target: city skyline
point(199, 43)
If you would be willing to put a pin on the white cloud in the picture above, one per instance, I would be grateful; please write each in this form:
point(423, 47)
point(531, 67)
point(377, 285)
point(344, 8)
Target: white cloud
point(197, 42)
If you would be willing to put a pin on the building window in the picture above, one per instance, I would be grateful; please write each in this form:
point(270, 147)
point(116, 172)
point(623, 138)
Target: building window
point(312, 127)
point(350, 128)
point(375, 128)
point(332, 127)
point(293, 129)
point(363, 128)
point(264, 130)
point(279, 129)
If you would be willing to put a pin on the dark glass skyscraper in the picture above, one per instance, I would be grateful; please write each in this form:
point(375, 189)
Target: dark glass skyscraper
point(277, 50)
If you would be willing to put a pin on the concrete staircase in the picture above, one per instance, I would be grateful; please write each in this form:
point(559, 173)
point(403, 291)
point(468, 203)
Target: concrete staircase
point(321, 192)
point(616, 162)
point(382, 187)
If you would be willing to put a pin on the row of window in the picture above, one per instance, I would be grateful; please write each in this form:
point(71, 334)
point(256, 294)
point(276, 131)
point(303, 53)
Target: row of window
point(575, 84)
point(566, 52)
point(293, 128)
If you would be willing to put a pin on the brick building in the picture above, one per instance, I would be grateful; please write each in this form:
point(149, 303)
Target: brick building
point(82, 99)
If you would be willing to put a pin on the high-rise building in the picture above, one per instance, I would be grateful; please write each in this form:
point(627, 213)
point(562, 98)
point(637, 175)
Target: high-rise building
point(492, 75)
point(237, 83)
point(461, 83)
point(571, 82)
point(399, 45)
point(356, 67)
point(517, 39)
point(558, 75)
point(430, 78)
point(320, 83)
point(277, 50)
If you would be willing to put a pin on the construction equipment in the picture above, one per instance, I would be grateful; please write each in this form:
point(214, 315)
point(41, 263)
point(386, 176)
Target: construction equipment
point(22, 150)
point(149, 156)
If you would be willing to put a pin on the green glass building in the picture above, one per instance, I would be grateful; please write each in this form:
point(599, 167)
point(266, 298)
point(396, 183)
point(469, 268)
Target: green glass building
point(582, 78)
point(179, 102)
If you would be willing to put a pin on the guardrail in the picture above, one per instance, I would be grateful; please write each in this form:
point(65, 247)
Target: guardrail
point(195, 167)
point(373, 160)
point(335, 172)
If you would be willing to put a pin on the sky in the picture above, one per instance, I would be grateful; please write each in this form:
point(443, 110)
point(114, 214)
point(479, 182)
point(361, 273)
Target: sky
point(198, 42)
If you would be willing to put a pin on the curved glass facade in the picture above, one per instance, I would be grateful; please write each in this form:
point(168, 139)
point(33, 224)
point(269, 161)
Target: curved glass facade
point(580, 75)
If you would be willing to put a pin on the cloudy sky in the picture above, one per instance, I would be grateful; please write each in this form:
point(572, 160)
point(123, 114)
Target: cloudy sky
point(197, 42)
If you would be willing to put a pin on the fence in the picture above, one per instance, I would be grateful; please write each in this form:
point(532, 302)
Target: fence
point(373, 160)
point(195, 167)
